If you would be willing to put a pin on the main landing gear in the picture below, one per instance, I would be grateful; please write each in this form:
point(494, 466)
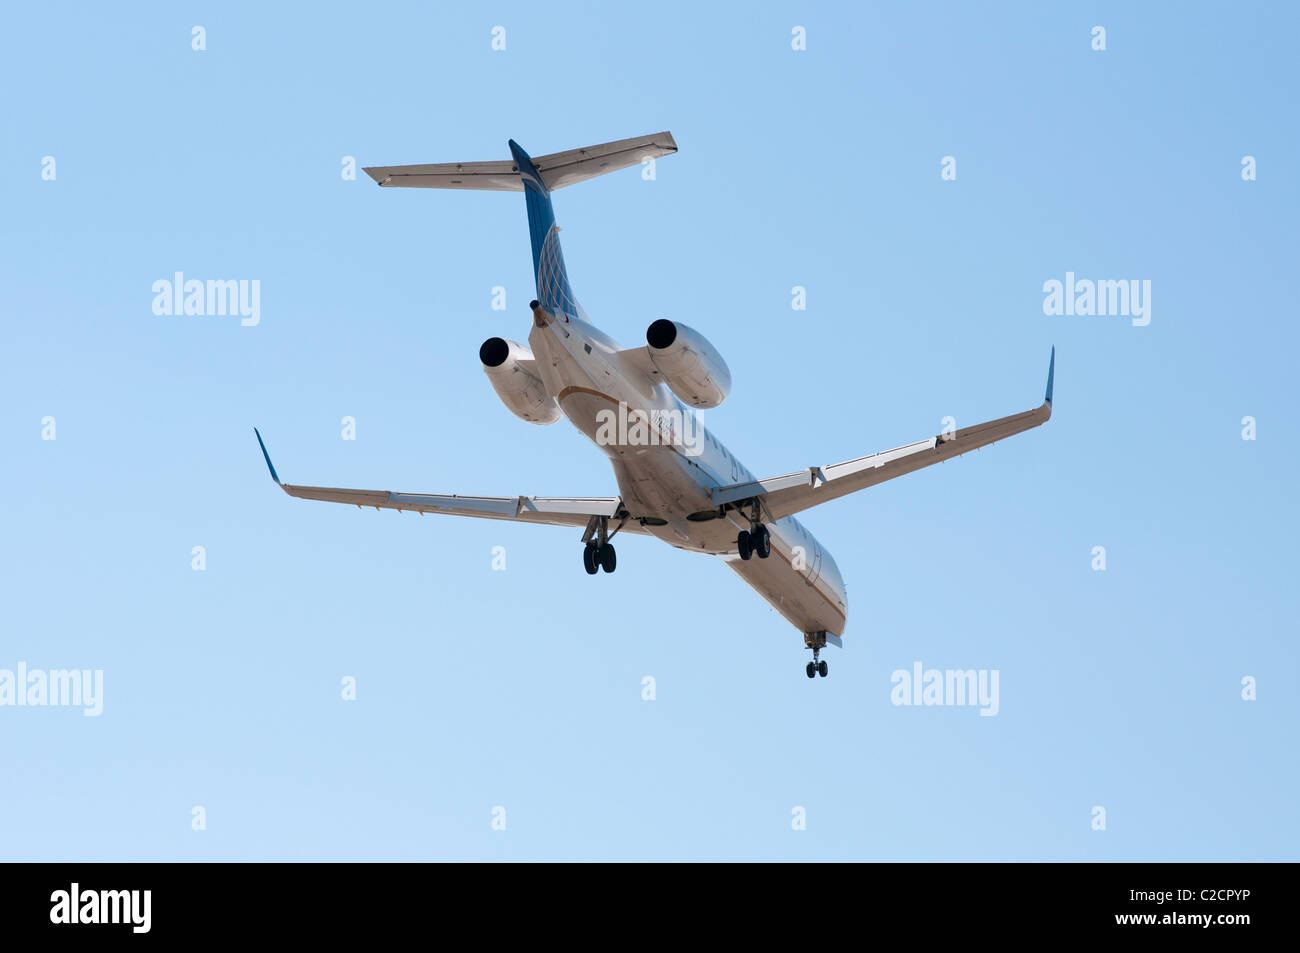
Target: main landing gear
point(756, 540)
point(597, 556)
point(816, 641)
point(597, 551)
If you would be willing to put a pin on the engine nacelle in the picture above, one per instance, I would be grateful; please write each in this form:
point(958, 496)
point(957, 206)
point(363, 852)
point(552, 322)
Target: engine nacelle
point(512, 370)
point(691, 367)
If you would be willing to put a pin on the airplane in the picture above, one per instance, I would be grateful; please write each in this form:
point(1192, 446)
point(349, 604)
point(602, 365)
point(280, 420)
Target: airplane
point(676, 481)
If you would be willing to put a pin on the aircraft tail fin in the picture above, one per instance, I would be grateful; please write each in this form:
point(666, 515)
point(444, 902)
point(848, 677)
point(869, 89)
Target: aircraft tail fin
point(554, 293)
point(536, 178)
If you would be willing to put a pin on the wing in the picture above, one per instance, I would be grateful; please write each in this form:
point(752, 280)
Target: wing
point(787, 495)
point(579, 512)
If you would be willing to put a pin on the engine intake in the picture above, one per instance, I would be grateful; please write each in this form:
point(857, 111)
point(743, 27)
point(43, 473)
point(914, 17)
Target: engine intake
point(494, 352)
point(691, 366)
point(511, 369)
point(661, 334)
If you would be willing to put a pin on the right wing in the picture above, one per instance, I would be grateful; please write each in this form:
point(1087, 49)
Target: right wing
point(578, 512)
point(787, 495)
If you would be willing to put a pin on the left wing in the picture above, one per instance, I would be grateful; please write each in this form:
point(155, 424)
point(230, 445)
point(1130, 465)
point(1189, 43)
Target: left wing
point(787, 495)
point(578, 512)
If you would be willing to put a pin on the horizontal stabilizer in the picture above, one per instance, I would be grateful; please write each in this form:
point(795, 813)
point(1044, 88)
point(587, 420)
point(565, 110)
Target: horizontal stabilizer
point(557, 170)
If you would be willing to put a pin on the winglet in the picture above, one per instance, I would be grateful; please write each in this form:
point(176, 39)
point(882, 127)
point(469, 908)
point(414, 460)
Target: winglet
point(1051, 372)
point(269, 465)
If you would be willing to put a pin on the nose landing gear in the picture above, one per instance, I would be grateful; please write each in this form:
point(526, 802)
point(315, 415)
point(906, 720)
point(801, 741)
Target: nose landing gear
point(816, 641)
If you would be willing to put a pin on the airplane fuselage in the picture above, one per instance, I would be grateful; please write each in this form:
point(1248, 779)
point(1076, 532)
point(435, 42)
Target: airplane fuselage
point(666, 481)
point(677, 481)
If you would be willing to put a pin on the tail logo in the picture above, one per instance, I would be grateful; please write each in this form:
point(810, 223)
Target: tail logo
point(552, 282)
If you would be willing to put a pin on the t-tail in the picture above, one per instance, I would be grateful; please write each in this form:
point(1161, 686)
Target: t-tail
point(537, 179)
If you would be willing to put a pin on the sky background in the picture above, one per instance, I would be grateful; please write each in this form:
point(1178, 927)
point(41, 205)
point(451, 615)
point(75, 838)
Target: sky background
point(523, 688)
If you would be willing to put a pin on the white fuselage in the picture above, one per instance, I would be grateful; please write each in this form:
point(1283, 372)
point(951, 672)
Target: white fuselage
point(666, 482)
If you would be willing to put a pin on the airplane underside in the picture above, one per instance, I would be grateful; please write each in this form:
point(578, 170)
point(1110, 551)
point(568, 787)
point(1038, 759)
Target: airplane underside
point(661, 493)
point(677, 482)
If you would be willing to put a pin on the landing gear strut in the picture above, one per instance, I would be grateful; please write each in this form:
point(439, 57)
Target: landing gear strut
point(756, 540)
point(597, 551)
point(816, 641)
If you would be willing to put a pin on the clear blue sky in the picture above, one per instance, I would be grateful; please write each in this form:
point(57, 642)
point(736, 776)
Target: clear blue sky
point(522, 688)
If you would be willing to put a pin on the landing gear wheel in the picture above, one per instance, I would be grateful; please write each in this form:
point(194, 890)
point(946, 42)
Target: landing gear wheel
point(744, 543)
point(608, 558)
point(816, 641)
point(762, 542)
point(589, 559)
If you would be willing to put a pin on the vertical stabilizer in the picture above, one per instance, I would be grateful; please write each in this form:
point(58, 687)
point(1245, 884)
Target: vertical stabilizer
point(553, 289)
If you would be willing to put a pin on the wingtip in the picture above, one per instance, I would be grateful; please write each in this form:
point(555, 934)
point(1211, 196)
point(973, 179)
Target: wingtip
point(1051, 373)
point(267, 457)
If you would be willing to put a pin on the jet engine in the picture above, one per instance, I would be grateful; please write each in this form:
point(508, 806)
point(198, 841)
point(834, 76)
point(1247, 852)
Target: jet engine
point(691, 367)
point(512, 370)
